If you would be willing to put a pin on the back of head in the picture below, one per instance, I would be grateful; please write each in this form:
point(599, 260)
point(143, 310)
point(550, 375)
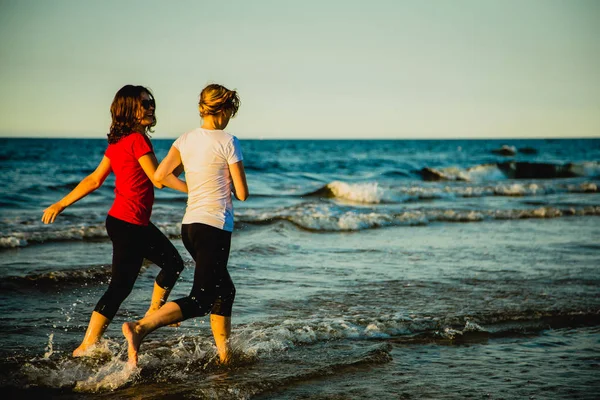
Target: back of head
point(215, 99)
point(127, 112)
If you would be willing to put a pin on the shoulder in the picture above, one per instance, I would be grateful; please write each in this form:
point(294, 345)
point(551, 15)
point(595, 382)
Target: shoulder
point(138, 137)
point(181, 140)
point(133, 137)
point(233, 141)
point(227, 138)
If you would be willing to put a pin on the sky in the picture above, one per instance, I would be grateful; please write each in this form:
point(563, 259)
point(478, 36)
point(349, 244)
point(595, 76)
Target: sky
point(307, 69)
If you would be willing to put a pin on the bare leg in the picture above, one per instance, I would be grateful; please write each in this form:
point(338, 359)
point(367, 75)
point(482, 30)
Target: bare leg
point(94, 332)
point(136, 331)
point(159, 298)
point(221, 328)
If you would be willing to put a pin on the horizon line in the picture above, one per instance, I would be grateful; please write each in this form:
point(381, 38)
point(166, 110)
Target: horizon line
point(328, 138)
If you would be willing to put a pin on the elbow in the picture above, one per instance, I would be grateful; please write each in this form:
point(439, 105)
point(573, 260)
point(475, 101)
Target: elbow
point(158, 184)
point(157, 180)
point(243, 196)
point(158, 176)
point(94, 184)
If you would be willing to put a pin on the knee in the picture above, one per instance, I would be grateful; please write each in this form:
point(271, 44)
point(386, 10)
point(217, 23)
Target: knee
point(230, 294)
point(194, 306)
point(177, 263)
point(118, 293)
point(226, 293)
point(168, 276)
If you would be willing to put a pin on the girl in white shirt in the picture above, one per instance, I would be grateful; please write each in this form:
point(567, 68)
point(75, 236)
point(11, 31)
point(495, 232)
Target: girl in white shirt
point(212, 160)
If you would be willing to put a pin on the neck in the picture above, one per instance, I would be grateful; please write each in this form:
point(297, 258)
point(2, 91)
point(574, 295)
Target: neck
point(214, 122)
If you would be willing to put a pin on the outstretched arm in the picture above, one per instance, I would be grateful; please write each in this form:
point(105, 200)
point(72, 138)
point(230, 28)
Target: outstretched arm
point(238, 176)
point(85, 187)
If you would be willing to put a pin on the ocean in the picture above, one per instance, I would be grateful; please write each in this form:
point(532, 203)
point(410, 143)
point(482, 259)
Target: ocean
point(389, 269)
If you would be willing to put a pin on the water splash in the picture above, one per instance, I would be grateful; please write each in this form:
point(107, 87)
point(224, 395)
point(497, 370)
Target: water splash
point(49, 350)
point(111, 376)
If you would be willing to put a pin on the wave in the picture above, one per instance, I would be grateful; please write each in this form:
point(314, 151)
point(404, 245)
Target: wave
point(368, 192)
point(342, 342)
point(89, 274)
point(512, 170)
point(323, 220)
point(375, 193)
point(317, 217)
point(68, 233)
point(43, 280)
point(403, 327)
point(506, 150)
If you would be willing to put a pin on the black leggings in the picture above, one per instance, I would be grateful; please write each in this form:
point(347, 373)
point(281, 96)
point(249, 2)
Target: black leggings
point(213, 290)
point(131, 244)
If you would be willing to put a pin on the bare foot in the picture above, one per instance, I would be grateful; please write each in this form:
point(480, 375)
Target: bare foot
point(134, 339)
point(83, 350)
point(223, 361)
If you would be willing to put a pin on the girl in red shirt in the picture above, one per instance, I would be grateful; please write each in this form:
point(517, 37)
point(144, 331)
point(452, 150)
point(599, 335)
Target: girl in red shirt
point(131, 158)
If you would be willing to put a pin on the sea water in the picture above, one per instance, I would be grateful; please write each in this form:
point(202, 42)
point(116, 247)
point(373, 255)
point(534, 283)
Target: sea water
point(436, 269)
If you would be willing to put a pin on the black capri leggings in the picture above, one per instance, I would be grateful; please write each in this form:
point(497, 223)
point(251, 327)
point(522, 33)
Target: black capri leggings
point(213, 290)
point(131, 244)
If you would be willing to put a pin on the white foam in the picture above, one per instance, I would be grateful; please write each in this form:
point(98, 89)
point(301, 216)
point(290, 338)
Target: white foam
point(260, 340)
point(12, 242)
point(69, 233)
point(589, 169)
point(585, 187)
point(452, 333)
point(488, 172)
point(49, 350)
point(328, 218)
point(110, 376)
point(519, 189)
point(460, 216)
point(368, 192)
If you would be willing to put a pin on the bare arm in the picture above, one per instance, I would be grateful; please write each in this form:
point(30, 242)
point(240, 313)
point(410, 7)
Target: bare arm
point(169, 164)
point(169, 169)
point(148, 162)
point(238, 176)
point(150, 166)
point(85, 187)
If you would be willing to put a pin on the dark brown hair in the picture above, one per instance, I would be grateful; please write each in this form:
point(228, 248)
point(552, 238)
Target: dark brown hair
point(215, 99)
point(127, 112)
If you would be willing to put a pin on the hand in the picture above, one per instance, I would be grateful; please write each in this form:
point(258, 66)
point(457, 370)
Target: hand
point(51, 213)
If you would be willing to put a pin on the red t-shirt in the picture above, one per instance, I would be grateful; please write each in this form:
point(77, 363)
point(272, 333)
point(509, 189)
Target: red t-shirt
point(134, 191)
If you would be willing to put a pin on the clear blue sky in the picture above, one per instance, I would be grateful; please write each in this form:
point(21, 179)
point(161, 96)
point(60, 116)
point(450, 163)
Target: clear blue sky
point(307, 69)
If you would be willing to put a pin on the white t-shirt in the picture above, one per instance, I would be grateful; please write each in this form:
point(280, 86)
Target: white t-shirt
point(206, 155)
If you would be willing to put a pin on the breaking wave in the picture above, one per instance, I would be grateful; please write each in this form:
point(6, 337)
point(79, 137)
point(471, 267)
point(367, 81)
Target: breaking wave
point(512, 170)
point(318, 219)
point(375, 193)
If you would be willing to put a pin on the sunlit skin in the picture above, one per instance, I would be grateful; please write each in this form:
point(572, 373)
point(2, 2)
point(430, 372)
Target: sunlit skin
point(148, 115)
point(171, 313)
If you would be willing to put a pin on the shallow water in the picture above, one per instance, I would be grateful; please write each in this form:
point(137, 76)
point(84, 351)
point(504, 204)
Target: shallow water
point(380, 285)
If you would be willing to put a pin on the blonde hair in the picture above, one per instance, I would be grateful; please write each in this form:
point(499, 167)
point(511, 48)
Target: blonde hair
point(215, 99)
